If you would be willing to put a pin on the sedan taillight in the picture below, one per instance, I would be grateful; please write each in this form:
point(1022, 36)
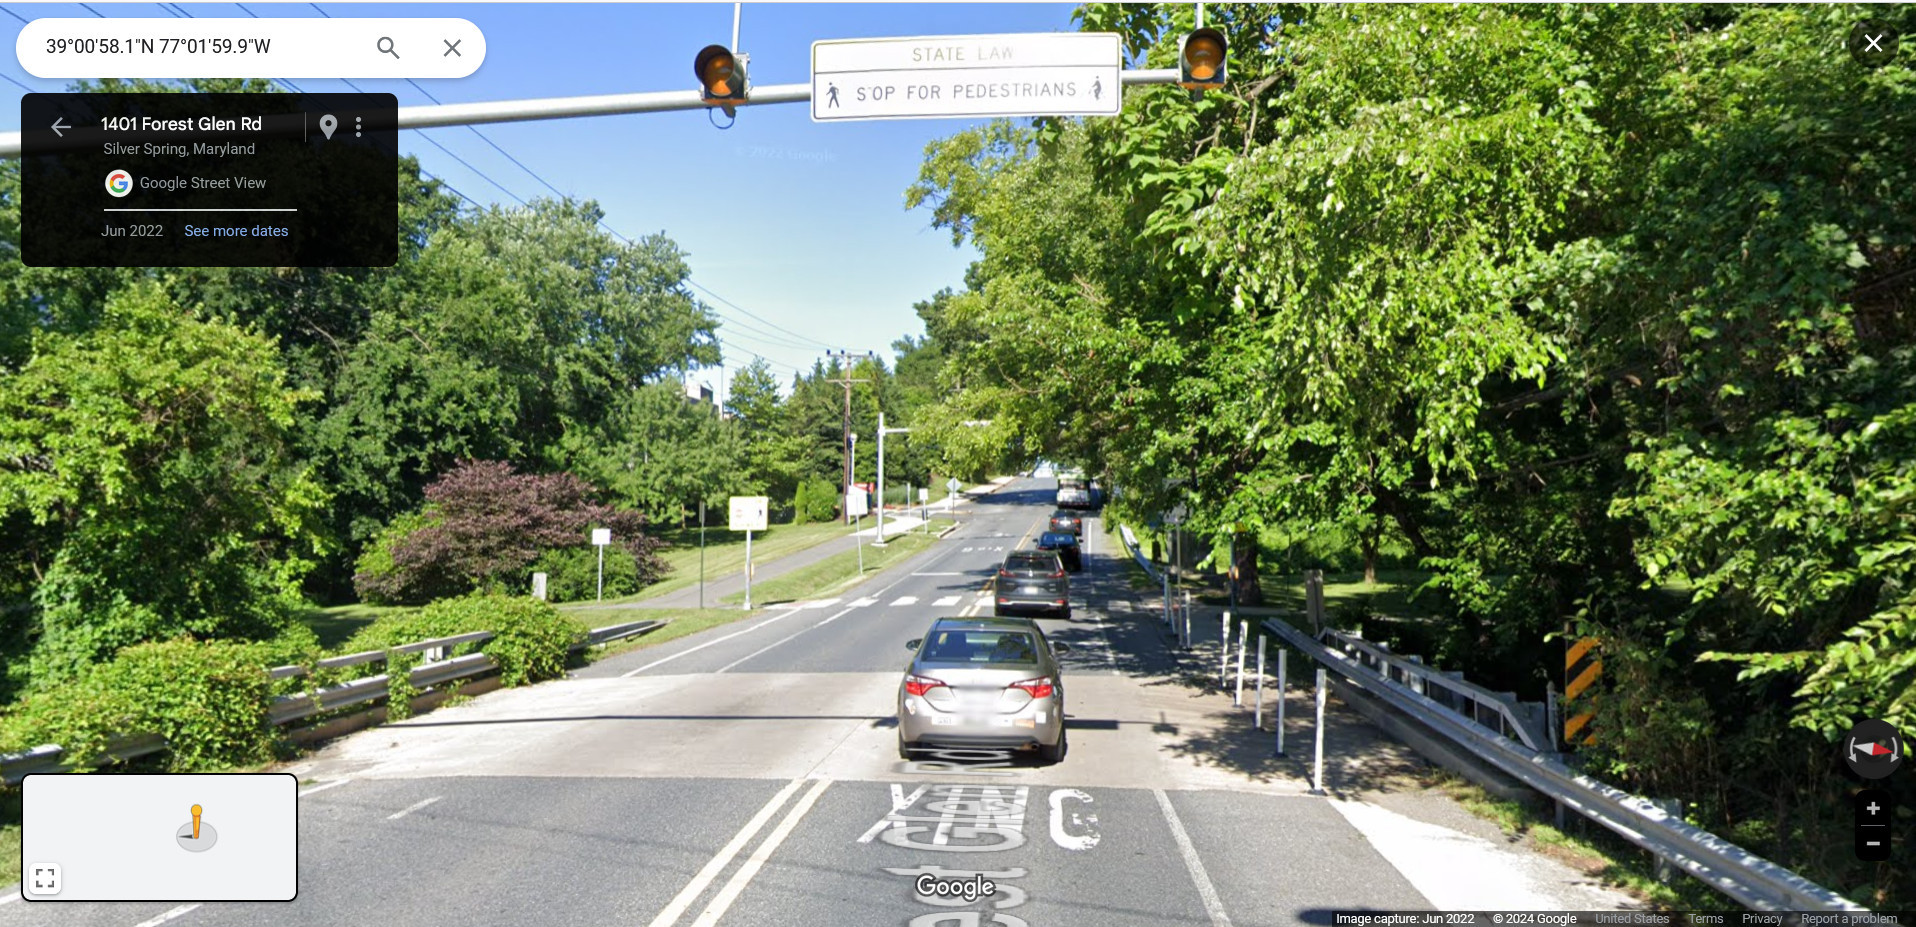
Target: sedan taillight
point(1037, 688)
point(919, 685)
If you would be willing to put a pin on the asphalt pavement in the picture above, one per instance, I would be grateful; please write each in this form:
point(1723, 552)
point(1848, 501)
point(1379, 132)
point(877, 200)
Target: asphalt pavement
point(748, 775)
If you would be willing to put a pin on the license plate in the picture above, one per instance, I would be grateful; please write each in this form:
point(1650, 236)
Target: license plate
point(1032, 589)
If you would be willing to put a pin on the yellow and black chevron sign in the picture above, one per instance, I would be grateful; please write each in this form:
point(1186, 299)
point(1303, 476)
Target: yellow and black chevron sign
point(1582, 667)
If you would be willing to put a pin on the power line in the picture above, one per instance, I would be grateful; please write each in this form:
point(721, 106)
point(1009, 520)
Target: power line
point(773, 334)
point(17, 16)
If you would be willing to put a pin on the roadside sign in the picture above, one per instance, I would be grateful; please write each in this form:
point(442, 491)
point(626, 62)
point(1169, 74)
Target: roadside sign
point(924, 495)
point(749, 513)
point(968, 76)
point(857, 503)
point(951, 485)
point(601, 537)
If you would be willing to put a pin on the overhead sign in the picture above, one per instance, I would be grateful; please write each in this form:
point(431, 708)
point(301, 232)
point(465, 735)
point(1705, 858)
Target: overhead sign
point(749, 513)
point(968, 76)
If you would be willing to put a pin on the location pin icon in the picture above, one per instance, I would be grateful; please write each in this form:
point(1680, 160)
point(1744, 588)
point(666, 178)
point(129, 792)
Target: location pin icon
point(327, 124)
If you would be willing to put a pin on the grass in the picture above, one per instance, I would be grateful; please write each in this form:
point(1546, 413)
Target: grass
point(337, 624)
point(1390, 595)
point(834, 572)
point(1600, 854)
point(725, 552)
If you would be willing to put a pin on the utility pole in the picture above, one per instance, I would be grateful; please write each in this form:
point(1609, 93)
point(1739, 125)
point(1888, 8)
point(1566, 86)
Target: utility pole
point(847, 380)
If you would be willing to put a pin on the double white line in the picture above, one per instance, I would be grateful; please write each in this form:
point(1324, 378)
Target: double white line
point(728, 894)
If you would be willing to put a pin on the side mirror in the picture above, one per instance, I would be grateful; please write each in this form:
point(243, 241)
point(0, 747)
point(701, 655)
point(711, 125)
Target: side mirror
point(913, 644)
point(1061, 647)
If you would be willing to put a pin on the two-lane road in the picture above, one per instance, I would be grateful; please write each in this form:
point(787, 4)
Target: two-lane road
point(748, 775)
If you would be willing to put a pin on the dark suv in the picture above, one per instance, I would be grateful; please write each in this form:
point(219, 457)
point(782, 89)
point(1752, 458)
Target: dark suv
point(1067, 547)
point(1067, 522)
point(1033, 579)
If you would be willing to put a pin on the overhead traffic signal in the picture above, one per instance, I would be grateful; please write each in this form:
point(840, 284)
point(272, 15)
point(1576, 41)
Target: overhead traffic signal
point(721, 77)
point(1201, 60)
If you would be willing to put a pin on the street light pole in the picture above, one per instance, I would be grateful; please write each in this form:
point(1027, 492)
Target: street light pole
point(882, 432)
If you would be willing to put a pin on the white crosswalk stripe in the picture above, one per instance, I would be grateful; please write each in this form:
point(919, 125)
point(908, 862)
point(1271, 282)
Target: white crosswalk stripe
point(862, 603)
point(905, 600)
point(946, 602)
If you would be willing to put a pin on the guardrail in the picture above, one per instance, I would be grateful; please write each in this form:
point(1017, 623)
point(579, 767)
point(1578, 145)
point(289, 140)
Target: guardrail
point(1131, 545)
point(441, 669)
point(1744, 876)
point(1497, 711)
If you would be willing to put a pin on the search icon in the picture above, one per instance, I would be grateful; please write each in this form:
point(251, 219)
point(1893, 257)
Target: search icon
point(386, 47)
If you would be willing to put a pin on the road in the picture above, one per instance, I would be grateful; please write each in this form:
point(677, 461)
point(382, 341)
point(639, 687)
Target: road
point(748, 776)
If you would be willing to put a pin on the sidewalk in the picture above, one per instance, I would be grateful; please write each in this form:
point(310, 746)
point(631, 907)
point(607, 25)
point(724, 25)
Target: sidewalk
point(717, 587)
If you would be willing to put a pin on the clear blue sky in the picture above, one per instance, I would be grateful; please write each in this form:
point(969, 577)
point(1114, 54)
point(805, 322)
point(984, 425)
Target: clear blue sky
point(800, 224)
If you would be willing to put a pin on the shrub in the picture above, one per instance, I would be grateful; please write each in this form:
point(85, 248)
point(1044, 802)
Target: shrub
point(209, 699)
point(572, 574)
point(483, 524)
point(816, 500)
point(532, 643)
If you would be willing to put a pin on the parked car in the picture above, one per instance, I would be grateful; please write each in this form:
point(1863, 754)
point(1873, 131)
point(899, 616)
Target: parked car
point(1067, 522)
point(1033, 579)
point(1067, 547)
point(983, 683)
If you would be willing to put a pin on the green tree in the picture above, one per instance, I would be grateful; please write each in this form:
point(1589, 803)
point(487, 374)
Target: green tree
point(151, 442)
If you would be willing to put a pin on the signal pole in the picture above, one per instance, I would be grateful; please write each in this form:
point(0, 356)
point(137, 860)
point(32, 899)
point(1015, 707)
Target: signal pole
point(846, 443)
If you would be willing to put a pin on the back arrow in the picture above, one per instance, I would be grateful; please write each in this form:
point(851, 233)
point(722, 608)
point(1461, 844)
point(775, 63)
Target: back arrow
point(58, 124)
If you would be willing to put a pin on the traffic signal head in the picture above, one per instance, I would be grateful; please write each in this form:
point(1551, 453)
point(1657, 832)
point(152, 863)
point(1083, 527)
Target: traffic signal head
point(721, 76)
point(1201, 60)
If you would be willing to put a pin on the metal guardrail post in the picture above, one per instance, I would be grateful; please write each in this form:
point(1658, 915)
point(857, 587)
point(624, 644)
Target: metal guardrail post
point(1282, 687)
point(1223, 650)
point(1258, 713)
point(1317, 778)
point(1243, 639)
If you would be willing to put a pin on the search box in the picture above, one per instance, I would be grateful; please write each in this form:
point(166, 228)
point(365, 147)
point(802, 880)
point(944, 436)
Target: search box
point(157, 48)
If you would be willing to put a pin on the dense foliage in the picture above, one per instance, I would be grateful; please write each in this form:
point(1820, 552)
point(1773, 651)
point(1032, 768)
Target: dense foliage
point(483, 525)
point(1600, 313)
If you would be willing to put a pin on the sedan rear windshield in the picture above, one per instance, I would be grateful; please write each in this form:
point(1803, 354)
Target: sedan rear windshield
point(1032, 563)
point(981, 647)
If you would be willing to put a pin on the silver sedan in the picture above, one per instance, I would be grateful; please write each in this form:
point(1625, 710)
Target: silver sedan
point(989, 683)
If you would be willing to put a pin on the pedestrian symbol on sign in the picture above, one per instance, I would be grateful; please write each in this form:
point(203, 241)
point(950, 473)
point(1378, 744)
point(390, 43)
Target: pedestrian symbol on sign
point(831, 93)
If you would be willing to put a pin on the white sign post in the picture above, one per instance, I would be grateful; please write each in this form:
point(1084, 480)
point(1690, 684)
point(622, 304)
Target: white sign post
point(600, 538)
point(968, 76)
point(749, 514)
point(857, 505)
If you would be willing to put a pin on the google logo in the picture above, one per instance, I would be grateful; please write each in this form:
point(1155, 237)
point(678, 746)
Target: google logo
point(119, 183)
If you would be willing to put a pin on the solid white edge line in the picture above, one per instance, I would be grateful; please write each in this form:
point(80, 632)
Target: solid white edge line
point(781, 640)
point(717, 640)
point(415, 806)
point(176, 912)
point(732, 888)
point(13, 894)
point(324, 786)
point(693, 889)
point(1206, 891)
